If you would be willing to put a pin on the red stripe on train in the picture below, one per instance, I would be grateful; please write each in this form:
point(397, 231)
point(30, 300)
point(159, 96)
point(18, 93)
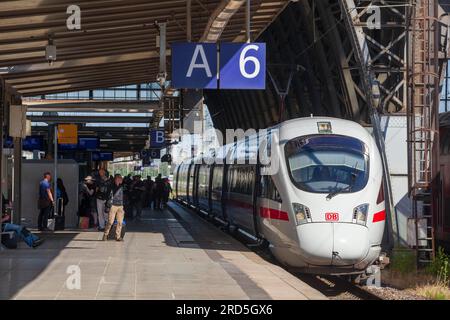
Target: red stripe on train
point(379, 216)
point(273, 214)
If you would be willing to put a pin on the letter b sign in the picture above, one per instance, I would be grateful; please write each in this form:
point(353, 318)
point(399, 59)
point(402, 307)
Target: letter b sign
point(157, 138)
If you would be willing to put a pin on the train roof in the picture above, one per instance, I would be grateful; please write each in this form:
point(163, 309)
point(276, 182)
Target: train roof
point(292, 124)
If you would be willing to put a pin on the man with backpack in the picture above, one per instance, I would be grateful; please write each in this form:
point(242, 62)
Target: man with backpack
point(115, 205)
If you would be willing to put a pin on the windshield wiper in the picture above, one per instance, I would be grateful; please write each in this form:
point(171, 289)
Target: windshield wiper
point(335, 193)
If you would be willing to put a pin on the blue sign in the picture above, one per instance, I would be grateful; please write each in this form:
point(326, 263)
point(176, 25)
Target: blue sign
point(32, 143)
point(88, 143)
point(8, 143)
point(242, 66)
point(102, 156)
point(157, 138)
point(194, 65)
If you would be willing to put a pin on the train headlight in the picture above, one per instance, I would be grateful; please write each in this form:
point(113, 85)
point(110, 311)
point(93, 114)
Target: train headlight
point(360, 214)
point(302, 213)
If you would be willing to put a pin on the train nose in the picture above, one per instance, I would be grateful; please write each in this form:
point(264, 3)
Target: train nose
point(337, 244)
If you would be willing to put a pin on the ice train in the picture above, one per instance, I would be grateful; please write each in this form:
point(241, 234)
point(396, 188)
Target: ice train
point(321, 210)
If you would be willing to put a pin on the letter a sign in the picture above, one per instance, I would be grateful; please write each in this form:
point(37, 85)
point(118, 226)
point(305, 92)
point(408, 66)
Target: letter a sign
point(194, 65)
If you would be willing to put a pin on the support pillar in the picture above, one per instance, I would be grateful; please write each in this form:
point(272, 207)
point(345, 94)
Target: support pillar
point(2, 117)
point(17, 174)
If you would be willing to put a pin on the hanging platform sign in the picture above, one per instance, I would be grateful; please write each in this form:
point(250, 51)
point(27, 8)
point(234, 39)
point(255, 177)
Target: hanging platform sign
point(68, 134)
point(242, 66)
point(194, 65)
point(219, 66)
point(157, 138)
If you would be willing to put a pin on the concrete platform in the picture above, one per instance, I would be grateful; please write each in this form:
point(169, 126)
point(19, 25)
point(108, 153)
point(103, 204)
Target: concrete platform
point(163, 257)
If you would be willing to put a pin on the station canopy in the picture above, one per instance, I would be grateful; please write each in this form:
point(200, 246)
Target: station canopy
point(117, 43)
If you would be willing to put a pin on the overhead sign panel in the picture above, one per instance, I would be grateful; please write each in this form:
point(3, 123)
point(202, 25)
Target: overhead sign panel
point(157, 138)
point(194, 65)
point(242, 66)
point(68, 134)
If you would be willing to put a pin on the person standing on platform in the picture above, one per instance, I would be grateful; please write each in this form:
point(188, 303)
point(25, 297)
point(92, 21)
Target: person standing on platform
point(87, 200)
point(116, 211)
point(149, 184)
point(166, 193)
point(103, 189)
point(61, 192)
point(137, 195)
point(159, 192)
point(45, 202)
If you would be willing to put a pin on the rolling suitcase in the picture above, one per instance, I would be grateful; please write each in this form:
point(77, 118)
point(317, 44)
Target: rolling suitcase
point(112, 232)
point(51, 220)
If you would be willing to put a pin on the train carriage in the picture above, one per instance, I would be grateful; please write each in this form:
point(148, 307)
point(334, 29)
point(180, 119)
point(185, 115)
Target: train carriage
point(321, 211)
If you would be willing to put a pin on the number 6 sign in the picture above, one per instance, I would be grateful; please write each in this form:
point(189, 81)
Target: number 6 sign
point(242, 66)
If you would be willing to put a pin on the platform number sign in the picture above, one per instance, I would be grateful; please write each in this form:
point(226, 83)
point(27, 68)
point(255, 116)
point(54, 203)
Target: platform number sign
point(194, 65)
point(242, 66)
point(224, 66)
point(157, 138)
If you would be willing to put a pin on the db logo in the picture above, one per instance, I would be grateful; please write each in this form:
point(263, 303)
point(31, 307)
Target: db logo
point(331, 216)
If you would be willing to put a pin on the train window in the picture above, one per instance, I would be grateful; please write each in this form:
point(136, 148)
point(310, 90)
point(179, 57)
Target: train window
point(217, 181)
point(241, 179)
point(269, 190)
point(203, 181)
point(328, 163)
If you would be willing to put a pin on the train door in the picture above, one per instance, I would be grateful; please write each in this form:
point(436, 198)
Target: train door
point(203, 174)
point(240, 191)
point(182, 183)
point(195, 186)
point(216, 191)
point(190, 184)
point(269, 205)
point(176, 180)
point(225, 195)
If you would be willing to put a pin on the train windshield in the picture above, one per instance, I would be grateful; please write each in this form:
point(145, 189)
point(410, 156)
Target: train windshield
point(328, 163)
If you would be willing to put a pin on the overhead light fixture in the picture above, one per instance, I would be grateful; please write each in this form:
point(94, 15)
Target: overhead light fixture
point(170, 91)
point(50, 51)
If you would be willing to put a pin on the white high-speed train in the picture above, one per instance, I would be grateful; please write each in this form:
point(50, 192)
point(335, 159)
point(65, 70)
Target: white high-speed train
point(322, 211)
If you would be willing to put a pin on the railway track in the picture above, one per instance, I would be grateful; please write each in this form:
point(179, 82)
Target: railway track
point(337, 288)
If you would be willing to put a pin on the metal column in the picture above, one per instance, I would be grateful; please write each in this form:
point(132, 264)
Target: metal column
point(2, 117)
point(423, 127)
point(17, 174)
